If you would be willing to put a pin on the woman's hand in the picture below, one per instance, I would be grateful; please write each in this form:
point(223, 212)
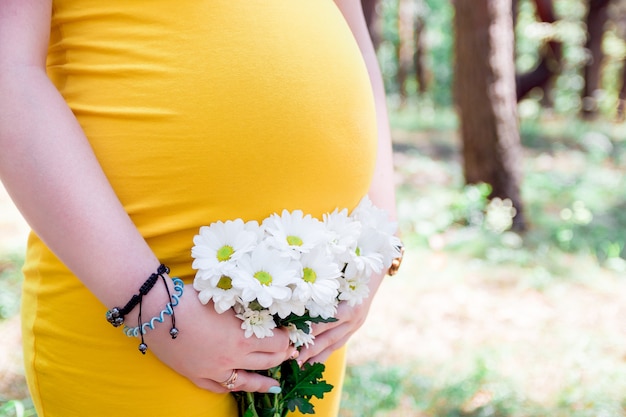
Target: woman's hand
point(332, 336)
point(210, 346)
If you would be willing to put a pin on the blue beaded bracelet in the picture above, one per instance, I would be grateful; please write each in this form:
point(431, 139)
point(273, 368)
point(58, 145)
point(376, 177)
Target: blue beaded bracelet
point(179, 286)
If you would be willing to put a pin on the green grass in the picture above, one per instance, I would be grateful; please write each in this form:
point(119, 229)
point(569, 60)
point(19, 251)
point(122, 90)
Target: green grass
point(10, 279)
point(481, 390)
point(17, 408)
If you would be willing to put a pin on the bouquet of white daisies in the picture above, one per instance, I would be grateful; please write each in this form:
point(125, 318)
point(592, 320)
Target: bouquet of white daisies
point(291, 270)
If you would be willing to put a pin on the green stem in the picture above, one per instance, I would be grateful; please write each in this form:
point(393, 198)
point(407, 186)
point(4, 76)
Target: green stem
point(278, 406)
point(250, 397)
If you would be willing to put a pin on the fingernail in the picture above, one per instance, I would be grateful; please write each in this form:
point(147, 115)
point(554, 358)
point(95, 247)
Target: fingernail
point(274, 390)
point(295, 354)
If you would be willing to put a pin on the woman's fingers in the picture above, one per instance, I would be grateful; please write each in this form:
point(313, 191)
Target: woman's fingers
point(332, 336)
point(325, 354)
point(253, 382)
point(244, 381)
point(276, 343)
point(325, 342)
point(260, 361)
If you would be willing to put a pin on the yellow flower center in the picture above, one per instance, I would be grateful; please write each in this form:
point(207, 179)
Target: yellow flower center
point(294, 240)
point(225, 283)
point(264, 277)
point(224, 253)
point(309, 275)
point(358, 251)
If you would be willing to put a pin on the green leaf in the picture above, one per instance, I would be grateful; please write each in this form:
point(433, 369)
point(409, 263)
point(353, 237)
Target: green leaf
point(319, 319)
point(301, 384)
point(303, 405)
point(302, 322)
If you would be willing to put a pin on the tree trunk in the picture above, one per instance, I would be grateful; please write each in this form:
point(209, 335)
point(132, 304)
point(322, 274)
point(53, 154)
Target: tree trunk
point(550, 63)
point(617, 17)
point(372, 20)
point(406, 47)
point(420, 52)
point(621, 102)
point(486, 98)
point(597, 17)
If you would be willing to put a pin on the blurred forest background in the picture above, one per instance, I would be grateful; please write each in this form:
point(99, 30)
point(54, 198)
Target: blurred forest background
point(510, 151)
point(521, 87)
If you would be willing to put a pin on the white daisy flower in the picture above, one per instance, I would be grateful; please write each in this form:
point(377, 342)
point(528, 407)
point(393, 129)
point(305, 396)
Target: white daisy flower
point(323, 310)
point(260, 323)
point(221, 244)
point(354, 289)
point(366, 258)
point(266, 277)
point(221, 290)
point(299, 337)
point(386, 247)
point(294, 233)
point(319, 283)
point(290, 306)
point(344, 233)
point(373, 217)
point(379, 230)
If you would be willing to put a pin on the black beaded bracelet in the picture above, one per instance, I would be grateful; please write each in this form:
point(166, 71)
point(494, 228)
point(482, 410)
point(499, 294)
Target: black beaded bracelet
point(116, 315)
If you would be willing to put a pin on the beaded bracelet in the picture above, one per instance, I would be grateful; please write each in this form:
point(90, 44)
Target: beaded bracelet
point(167, 311)
point(116, 315)
point(143, 347)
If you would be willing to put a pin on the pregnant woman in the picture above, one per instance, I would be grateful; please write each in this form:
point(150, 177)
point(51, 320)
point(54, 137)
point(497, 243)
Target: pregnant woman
point(125, 125)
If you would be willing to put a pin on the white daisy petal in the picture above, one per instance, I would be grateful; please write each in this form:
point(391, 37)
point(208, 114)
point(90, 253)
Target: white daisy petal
point(259, 323)
point(354, 289)
point(299, 337)
point(344, 233)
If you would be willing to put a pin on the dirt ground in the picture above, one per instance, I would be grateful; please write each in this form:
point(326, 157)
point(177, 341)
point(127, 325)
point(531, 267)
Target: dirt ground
point(541, 340)
point(440, 310)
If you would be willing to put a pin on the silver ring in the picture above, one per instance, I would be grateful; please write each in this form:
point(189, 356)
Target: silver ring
point(229, 384)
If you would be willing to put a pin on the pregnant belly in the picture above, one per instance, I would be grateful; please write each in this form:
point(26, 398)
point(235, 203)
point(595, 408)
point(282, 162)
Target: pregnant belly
point(239, 110)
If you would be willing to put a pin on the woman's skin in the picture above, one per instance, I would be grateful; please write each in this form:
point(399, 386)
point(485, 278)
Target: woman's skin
point(53, 177)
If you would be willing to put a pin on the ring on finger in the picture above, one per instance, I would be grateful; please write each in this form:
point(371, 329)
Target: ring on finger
point(229, 384)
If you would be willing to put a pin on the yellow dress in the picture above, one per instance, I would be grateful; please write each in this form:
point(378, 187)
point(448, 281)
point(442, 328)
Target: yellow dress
point(198, 111)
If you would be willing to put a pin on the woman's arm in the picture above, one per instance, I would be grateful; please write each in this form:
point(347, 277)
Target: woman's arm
point(53, 176)
point(50, 171)
point(332, 336)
